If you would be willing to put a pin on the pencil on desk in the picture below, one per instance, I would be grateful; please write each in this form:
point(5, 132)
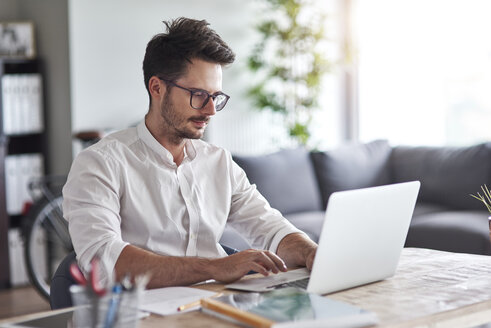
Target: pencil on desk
point(195, 303)
point(227, 310)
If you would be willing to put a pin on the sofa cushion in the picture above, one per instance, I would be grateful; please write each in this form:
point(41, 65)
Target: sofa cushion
point(285, 178)
point(447, 174)
point(352, 166)
point(451, 231)
point(422, 208)
point(309, 222)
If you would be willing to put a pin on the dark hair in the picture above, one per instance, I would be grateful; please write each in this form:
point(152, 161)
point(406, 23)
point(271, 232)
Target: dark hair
point(168, 54)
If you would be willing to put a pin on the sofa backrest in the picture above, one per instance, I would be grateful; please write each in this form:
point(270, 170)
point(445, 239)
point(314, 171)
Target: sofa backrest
point(447, 174)
point(295, 180)
point(285, 178)
point(352, 166)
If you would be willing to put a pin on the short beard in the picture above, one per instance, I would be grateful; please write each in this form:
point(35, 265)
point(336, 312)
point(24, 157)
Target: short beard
point(172, 122)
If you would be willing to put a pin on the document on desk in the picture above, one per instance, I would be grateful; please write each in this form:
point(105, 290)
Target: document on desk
point(165, 301)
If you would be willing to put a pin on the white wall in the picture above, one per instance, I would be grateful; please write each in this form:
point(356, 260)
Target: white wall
point(51, 19)
point(107, 45)
point(9, 10)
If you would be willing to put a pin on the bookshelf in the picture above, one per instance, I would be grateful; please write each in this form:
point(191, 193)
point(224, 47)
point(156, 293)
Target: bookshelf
point(22, 145)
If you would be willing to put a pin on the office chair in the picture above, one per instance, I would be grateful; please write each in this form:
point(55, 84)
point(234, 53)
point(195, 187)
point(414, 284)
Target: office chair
point(59, 296)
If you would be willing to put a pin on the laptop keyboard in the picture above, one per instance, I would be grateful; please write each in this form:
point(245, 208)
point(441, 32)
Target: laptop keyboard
point(300, 283)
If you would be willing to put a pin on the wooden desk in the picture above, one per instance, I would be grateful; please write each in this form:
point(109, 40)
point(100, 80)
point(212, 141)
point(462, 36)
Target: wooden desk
point(430, 289)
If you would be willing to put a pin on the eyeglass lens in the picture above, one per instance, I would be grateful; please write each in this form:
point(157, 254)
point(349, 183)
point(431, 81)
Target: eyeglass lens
point(200, 99)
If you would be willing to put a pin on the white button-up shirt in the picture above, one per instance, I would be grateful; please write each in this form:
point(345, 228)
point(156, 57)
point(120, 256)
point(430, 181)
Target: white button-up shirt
point(126, 189)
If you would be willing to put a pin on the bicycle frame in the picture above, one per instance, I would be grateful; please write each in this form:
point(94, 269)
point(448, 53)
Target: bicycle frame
point(46, 232)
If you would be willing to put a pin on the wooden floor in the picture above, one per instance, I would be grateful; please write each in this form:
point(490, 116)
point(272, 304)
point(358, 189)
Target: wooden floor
point(21, 300)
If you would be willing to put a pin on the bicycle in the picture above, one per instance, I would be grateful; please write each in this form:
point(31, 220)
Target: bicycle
point(45, 231)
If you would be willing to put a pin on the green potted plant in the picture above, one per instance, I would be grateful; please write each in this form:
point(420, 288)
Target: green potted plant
point(288, 63)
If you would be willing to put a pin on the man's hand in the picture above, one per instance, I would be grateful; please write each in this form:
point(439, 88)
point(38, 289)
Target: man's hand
point(233, 267)
point(297, 250)
point(310, 256)
point(294, 250)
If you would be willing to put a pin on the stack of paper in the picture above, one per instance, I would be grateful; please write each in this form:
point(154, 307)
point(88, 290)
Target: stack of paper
point(165, 301)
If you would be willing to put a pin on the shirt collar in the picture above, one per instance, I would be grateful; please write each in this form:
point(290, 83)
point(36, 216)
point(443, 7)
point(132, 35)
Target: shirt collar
point(145, 135)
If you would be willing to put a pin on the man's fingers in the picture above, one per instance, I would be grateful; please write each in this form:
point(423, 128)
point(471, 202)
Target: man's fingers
point(264, 264)
point(277, 260)
point(259, 269)
point(267, 262)
point(235, 266)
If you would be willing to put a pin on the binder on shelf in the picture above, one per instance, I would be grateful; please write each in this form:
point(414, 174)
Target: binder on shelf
point(18, 271)
point(19, 171)
point(22, 103)
point(6, 103)
point(11, 184)
point(36, 103)
point(288, 307)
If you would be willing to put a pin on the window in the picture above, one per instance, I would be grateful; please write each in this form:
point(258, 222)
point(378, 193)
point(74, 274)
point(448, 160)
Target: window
point(424, 69)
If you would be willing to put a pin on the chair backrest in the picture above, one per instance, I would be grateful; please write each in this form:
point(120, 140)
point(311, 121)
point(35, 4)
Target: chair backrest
point(229, 250)
point(59, 296)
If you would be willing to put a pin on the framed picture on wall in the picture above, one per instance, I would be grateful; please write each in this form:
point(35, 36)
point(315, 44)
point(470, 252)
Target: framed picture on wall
point(17, 40)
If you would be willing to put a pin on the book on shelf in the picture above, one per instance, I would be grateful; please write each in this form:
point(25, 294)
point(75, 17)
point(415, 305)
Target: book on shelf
point(22, 103)
point(287, 307)
point(17, 266)
point(19, 171)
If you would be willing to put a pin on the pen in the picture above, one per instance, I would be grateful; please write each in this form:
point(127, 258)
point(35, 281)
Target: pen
point(195, 303)
point(113, 306)
point(95, 289)
point(242, 316)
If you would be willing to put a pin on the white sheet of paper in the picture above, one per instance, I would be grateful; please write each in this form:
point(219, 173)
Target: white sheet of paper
point(165, 301)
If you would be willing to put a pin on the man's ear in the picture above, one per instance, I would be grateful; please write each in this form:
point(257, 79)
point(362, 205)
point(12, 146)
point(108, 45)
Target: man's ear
point(156, 87)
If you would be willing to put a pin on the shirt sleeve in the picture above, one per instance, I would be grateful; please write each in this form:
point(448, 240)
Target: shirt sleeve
point(250, 214)
point(91, 207)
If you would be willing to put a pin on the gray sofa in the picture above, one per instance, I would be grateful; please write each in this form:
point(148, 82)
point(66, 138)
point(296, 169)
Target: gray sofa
point(298, 183)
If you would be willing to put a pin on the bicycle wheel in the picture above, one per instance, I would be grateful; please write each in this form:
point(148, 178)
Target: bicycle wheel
point(47, 242)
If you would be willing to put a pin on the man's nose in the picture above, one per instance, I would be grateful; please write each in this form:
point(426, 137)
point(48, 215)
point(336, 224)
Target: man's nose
point(209, 108)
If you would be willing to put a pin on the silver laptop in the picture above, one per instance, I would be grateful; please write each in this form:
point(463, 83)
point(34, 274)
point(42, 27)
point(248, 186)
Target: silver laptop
point(361, 241)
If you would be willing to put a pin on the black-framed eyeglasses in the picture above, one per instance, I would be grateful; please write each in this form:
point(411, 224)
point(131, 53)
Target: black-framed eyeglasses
point(199, 98)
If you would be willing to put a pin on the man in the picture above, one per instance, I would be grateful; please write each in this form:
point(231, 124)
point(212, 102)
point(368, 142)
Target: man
point(155, 198)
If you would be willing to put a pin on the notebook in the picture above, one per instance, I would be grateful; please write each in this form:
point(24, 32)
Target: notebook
point(361, 241)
